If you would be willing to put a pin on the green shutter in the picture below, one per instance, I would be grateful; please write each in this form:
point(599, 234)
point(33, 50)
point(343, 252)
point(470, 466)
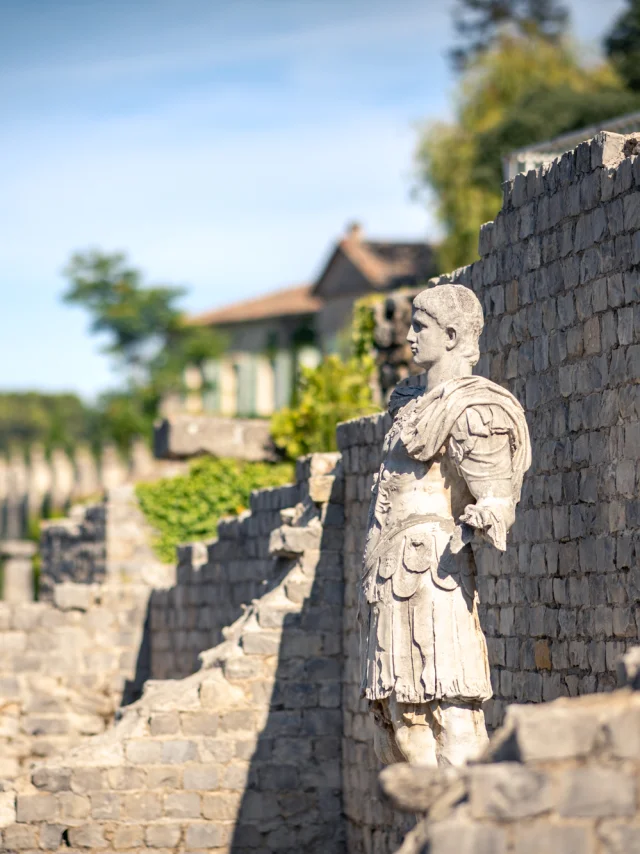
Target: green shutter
point(212, 395)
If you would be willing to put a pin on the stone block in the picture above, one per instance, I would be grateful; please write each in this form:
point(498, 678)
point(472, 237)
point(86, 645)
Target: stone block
point(222, 806)
point(507, 791)
point(618, 838)
point(182, 805)
point(557, 731)
point(20, 837)
point(201, 777)
point(105, 806)
point(141, 806)
point(144, 751)
point(593, 792)
point(184, 436)
point(87, 836)
point(163, 835)
point(73, 808)
point(541, 837)
point(7, 808)
point(178, 751)
point(466, 838)
point(33, 808)
point(128, 837)
point(203, 836)
point(52, 779)
point(51, 836)
point(79, 597)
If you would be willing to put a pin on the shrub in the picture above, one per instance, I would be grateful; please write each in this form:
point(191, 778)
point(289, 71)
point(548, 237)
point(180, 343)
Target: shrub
point(188, 507)
point(334, 391)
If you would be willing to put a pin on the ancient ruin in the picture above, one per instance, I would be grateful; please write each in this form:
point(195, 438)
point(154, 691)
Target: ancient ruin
point(216, 705)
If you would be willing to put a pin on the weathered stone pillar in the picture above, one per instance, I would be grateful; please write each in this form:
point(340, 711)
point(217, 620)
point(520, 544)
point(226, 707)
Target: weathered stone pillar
point(87, 479)
point(17, 567)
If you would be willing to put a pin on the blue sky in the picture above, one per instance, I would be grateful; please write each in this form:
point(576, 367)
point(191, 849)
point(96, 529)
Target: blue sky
point(224, 144)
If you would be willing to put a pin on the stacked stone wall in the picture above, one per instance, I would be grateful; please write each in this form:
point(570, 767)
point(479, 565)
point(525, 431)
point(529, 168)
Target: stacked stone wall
point(214, 580)
point(65, 667)
point(99, 543)
point(245, 754)
point(559, 282)
point(559, 777)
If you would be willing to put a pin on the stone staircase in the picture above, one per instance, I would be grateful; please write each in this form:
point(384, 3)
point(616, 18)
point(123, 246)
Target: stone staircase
point(244, 755)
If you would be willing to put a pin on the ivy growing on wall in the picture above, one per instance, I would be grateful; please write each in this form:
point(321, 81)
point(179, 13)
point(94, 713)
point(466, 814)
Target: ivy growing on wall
point(188, 507)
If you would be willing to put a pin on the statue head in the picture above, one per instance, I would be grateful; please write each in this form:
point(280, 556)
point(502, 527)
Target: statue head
point(446, 325)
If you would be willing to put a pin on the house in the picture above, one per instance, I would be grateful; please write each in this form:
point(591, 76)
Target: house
point(533, 156)
point(266, 338)
point(270, 337)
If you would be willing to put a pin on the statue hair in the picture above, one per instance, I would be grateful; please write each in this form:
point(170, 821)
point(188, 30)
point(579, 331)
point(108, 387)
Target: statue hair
point(458, 307)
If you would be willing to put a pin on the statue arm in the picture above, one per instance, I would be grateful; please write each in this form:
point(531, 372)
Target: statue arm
point(482, 452)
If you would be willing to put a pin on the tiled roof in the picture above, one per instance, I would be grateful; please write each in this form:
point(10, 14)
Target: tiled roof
point(385, 264)
point(287, 301)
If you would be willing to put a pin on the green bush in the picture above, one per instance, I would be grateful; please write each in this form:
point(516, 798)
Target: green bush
point(188, 507)
point(335, 391)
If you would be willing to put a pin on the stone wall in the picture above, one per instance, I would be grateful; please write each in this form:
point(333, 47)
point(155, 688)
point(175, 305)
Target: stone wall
point(183, 436)
point(372, 824)
point(34, 484)
point(110, 541)
point(559, 777)
point(65, 667)
point(268, 746)
point(214, 580)
point(245, 754)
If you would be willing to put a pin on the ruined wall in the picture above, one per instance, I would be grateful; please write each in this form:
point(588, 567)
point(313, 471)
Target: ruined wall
point(64, 668)
point(214, 580)
point(245, 754)
point(34, 483)
point(69, 661)
point(110, 541)
point(559, 777)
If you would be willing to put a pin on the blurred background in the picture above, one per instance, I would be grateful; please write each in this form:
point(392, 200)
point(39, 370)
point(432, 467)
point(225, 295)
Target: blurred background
point(202, 201)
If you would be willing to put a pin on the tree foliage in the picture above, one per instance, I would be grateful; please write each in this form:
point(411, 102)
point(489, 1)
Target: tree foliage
point(522, 90)
point(479, 23)
point(52, 420)
point(622, 45)
point(187, 508)
point(147, 335)
point(335, 391)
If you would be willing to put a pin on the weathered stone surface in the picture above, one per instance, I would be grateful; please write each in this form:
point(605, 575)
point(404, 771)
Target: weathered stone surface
point(185, 436)
point(421, 632)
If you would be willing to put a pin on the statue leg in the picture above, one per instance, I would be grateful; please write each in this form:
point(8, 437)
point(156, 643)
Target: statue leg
point(462, 736)
point(384, 736)
point(415, 731)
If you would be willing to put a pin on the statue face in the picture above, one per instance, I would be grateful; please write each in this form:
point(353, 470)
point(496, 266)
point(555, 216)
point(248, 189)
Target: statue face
point(429, 341)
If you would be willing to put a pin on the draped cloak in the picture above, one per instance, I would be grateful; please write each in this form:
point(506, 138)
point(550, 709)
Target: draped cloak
point(464, 443)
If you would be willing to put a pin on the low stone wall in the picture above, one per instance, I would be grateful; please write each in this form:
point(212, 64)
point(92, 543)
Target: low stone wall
point(245, 754)
point(110, 541)
point(558, 777)
point(185, 436)
point(65, 667)
point(214, 580)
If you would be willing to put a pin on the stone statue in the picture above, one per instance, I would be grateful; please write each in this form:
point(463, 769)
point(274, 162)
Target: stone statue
point(451, 476)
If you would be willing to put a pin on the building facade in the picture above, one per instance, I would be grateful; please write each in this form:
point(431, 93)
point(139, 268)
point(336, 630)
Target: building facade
point(268, 339)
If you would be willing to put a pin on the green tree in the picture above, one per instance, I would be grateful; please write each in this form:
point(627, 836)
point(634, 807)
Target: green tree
point(622, 45)
point(147, 335)
point(479, 23)
point(52, 420)
point(521, 90)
